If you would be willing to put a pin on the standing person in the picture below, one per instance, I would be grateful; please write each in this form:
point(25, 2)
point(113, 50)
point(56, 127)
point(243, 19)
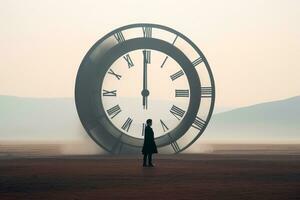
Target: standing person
point(149, 146)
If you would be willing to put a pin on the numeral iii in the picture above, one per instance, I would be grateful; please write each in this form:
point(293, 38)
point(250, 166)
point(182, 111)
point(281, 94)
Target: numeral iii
point(206, 92)
point(182, 93)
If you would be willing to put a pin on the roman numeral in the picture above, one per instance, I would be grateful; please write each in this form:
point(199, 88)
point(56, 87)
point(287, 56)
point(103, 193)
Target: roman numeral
point(177, 112)
point(128, 60)
point(143, 129)
point(112, 112)
point(175, 40)
point(119, 37)
point(168, 56)
point(107, 93)
point(164, 61)
point(198, 123)
point(182, 93)
point(127, 124)
point(147, 32)
point(113, 73)
point(206, 92)
point(175, 146)
point(176, 75)
point(147, 56)
point(197, 61)
point(164, 126)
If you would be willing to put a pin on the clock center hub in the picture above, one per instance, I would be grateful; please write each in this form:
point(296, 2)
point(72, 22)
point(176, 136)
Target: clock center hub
point(145, 93)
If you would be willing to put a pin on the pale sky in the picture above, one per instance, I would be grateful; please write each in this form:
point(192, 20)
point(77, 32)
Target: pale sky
point(253, 46)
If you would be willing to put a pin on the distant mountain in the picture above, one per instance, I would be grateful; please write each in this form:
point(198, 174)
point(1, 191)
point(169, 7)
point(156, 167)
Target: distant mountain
point(52, 119)
point(277, 121)
point(44, 120)
point(56, 120)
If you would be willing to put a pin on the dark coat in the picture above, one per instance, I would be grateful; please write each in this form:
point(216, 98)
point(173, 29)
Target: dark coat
point(149, 143)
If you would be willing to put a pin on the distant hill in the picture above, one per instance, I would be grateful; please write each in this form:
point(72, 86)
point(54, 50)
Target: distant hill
point(44, 120)
point(277, 121)
point(50, 119)
point(56, 119)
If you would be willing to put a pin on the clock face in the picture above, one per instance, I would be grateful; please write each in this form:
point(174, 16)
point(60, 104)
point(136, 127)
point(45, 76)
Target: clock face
point(145, 71)
point(139, 72)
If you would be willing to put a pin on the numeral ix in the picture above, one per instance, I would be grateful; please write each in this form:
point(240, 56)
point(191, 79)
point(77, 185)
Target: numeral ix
point(107, 93)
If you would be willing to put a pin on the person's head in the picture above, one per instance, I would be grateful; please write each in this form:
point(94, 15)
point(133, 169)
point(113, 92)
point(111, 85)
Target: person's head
point(149, 122)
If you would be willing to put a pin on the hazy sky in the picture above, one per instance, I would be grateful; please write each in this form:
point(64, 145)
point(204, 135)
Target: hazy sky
point(252, 46)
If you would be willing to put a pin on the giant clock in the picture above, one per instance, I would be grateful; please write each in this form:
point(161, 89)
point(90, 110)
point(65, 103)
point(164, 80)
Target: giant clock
point(143, 71)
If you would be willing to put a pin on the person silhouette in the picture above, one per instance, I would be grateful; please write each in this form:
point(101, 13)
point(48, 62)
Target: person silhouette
point(149, 146)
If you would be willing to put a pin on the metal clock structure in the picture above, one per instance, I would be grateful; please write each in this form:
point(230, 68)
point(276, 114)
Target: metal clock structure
point(143, 71)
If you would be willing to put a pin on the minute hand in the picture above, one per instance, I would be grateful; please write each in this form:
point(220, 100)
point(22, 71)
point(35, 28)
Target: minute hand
point(145, 91)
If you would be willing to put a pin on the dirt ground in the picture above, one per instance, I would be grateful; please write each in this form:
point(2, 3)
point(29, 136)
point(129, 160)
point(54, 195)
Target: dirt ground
point(201, 176)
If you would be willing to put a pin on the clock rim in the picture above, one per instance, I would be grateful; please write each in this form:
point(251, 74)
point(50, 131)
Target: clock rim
point(89, 92)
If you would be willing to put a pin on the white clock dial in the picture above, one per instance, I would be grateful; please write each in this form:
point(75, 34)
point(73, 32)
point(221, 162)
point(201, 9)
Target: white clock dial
point(145, 84)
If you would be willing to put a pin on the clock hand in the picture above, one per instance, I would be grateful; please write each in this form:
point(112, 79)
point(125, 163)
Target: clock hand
point(145, 91)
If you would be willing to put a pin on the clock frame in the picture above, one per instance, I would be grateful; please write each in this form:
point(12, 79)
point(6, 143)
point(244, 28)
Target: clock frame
point(96, 64)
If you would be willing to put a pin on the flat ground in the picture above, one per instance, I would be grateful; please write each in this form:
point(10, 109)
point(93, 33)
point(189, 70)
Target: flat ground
point(201, 176)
